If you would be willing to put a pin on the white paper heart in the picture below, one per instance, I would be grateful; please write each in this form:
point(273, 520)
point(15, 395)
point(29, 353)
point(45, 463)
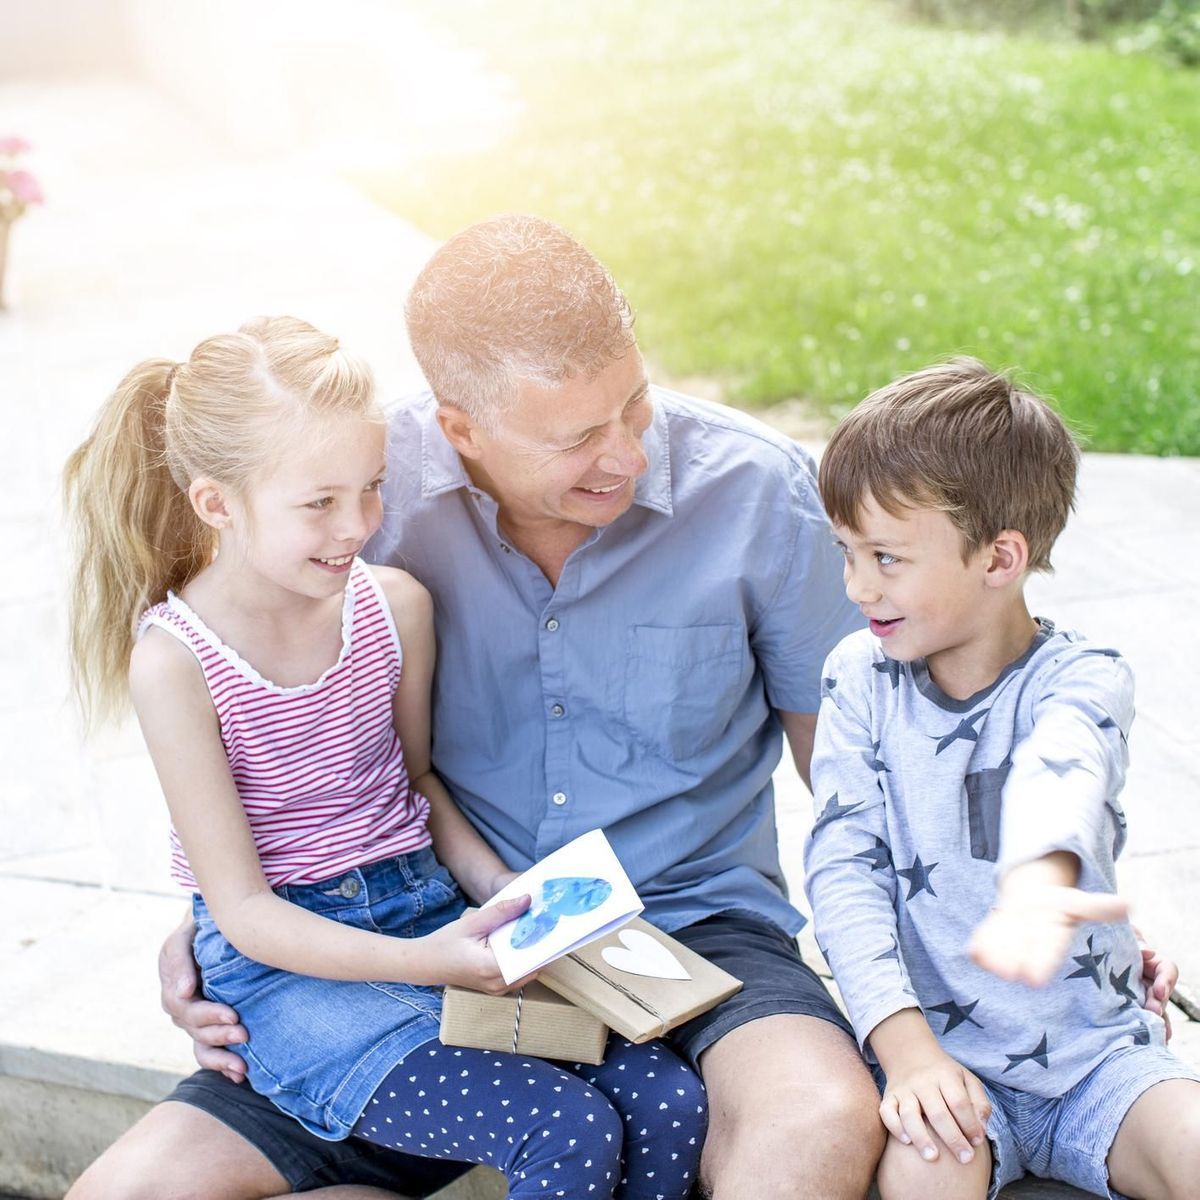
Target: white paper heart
point(643, 955)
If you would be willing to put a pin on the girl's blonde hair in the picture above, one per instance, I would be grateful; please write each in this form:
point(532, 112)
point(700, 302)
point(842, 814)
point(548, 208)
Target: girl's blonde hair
point(221, 416)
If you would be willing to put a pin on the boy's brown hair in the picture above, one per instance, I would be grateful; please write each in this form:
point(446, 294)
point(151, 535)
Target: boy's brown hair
point(963, 439)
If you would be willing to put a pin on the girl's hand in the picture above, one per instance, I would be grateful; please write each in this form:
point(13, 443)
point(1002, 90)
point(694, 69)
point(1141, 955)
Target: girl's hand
point(459, 953)
point(933, 1088)
point(210, 1026)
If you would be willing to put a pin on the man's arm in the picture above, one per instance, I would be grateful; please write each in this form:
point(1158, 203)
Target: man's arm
point(800, 728)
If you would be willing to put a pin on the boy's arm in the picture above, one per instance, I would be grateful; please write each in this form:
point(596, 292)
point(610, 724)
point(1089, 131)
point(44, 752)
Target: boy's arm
point(1061, 824)
point(849, 874)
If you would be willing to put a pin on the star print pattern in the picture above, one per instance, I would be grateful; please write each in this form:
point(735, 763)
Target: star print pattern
point(964, 731)
point(956, 1014)
point(1039, 1054)
point(891, 668)
point(833, 810)
point(917, 877)
point(1089, 964)
point(872, 759)
point(879, 855)
point(1120, 984)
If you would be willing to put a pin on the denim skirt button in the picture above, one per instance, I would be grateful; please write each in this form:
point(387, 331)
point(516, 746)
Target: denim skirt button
point(350, 887)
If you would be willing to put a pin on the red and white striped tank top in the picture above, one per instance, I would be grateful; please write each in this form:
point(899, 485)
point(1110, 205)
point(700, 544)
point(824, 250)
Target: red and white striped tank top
point(318, 767)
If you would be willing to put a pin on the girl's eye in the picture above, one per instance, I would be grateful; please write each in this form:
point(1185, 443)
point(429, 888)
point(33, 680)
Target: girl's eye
point(375, 486)
point(324, 502)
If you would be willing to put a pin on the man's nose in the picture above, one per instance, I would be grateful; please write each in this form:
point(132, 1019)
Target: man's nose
point(623, 455)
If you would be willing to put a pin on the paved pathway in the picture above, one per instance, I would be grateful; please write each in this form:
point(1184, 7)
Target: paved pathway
point(131, 259)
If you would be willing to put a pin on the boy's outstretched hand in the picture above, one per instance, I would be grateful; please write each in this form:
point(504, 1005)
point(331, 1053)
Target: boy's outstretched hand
point(1027, 935)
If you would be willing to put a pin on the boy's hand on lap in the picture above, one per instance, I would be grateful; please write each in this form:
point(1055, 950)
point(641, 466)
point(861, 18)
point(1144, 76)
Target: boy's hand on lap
point(935, 1092)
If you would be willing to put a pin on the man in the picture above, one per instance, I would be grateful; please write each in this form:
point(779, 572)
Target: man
point(634, 594)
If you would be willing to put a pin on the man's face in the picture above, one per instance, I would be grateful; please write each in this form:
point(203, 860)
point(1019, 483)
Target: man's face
point(570, 452)
point(906, 573)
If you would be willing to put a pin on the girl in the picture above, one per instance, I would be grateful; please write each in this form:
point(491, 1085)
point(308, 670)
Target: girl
point(220, 505)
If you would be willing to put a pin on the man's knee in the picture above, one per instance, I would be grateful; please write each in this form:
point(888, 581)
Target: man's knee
point(177, 1152)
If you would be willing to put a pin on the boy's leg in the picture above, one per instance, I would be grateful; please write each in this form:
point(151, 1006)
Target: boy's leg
point(1157, 1148)
point(1131, 1124)
point(793, 1111)
point(905, 1175)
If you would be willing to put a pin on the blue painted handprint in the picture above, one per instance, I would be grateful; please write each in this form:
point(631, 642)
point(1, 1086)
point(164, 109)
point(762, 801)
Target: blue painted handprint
point(569, 897)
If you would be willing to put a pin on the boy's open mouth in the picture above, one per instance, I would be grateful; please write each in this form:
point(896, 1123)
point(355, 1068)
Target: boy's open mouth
point(883, 628)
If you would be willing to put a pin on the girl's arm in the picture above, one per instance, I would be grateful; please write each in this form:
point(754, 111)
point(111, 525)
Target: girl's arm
point(181, 731)
point(480, 872)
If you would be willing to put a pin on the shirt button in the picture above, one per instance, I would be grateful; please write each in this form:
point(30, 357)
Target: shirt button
point(350, 887)
point(559, 797)
point(557, 710)
point(552, 624)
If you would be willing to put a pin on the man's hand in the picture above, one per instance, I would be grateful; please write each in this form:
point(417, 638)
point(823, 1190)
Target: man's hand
point(210, 1026)
point(1159, 977)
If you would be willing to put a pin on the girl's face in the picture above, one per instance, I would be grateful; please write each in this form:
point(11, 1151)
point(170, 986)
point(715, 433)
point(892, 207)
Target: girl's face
point(305, 520)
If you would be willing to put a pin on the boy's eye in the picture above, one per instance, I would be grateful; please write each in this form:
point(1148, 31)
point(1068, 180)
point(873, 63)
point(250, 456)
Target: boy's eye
point(884, 559)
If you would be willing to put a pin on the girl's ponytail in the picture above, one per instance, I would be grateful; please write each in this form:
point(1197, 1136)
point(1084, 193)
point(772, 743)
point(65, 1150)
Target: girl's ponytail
point(136, 534)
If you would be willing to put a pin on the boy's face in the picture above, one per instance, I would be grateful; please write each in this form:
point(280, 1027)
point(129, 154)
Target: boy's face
point(908, 576)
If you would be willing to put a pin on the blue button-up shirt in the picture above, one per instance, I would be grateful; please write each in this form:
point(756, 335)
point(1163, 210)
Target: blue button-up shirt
point(637, 696)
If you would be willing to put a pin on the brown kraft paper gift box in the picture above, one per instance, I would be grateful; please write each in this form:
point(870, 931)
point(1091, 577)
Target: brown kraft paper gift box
point(639, 1007)
point(548, 1026)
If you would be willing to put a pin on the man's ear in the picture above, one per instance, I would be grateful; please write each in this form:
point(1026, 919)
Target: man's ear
point(1009, 559)
point(461, 430)
point(209, 503)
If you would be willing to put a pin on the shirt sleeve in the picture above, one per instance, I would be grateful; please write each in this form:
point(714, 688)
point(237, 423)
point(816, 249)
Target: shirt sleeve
point(849, 873)
point(1062, 791)
point(807, 612)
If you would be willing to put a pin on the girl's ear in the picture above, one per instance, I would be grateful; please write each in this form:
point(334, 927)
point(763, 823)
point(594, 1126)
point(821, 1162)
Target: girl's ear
point(209, 504)
point(1009, 558)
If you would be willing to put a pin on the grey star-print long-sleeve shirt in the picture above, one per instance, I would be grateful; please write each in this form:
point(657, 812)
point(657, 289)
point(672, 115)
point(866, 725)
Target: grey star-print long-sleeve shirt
point(923, 801)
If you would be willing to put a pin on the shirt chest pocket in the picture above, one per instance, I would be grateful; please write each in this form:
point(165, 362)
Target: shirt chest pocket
point(683, 685)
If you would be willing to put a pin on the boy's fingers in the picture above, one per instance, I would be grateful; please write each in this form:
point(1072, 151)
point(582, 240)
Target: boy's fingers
point(946, 1127)
point(915, 1127)
point(1084, 907)
point(980, 1102)
point(962, 1109)
point(890, 1116)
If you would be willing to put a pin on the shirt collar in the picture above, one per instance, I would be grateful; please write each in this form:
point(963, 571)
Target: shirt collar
point(442, 469)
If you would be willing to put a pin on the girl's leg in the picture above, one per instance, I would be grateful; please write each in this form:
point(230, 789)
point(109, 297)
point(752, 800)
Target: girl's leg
point(664, 1112)
point(548, 1131)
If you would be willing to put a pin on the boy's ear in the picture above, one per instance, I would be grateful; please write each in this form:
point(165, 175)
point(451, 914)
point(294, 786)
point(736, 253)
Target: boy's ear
point(1009, 558)
point(460, 429)
point(209, 503)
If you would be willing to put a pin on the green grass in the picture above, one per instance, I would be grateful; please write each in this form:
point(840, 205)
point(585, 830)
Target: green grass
point(806, 198)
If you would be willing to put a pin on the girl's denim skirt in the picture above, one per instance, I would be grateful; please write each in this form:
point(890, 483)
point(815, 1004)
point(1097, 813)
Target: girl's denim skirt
point(319, 1048)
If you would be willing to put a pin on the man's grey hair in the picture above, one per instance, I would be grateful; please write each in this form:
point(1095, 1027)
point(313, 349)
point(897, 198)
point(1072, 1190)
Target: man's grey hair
point(513, 298)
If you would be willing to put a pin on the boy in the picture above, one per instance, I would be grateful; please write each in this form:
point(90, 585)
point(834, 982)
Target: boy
point(966, 772)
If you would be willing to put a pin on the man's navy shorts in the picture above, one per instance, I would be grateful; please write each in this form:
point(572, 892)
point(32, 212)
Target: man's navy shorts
point(775, 980)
